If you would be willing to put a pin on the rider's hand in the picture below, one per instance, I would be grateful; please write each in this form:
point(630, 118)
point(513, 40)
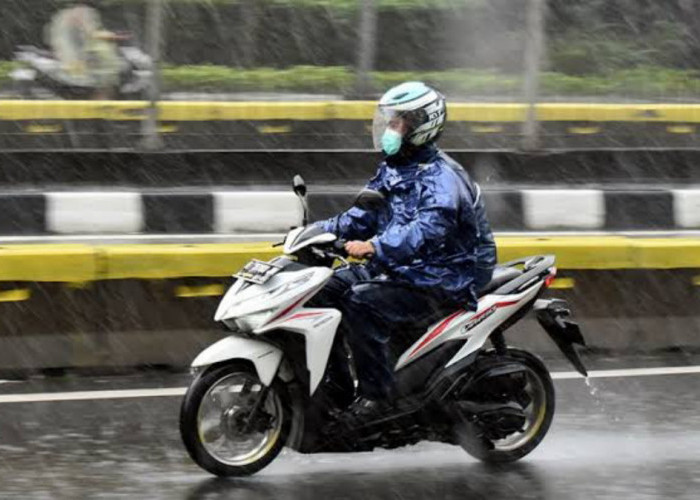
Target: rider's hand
point(359, 249)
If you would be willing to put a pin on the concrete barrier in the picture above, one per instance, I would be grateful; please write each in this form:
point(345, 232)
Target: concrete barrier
point(202, 211)
point(87, 306)
point(77, 263)
point(36, 125)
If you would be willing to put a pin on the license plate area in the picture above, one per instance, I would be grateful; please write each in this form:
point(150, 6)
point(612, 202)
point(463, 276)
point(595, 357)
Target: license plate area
point(258, 272)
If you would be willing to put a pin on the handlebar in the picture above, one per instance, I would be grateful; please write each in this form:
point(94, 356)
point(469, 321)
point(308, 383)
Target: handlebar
point(338, 251)
point(339, 245)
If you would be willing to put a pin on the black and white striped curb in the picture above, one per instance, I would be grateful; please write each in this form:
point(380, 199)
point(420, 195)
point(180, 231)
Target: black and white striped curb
point(231, 212)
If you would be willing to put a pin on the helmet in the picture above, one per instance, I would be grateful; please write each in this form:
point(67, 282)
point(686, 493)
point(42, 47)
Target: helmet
point(420, 106)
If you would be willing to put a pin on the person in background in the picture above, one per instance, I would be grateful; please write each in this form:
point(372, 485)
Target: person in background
point(88, 52)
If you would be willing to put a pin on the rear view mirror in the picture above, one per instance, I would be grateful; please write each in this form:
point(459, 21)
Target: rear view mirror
point(370, 200)
point(299, 186)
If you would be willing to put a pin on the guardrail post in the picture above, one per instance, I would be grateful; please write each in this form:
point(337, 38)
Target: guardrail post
point(154, 32)
point(367, 47)
point(534, 51)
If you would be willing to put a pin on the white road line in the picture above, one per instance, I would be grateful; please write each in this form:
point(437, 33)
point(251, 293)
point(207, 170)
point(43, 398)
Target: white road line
point(631, 372)
point(90, 395)
point(180, 391)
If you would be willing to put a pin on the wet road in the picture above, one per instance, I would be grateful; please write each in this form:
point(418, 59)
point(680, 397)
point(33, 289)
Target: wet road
point(635, 436)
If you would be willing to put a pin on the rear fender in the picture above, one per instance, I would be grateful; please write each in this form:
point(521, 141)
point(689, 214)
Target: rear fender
point(265, 357)
point(553, 315)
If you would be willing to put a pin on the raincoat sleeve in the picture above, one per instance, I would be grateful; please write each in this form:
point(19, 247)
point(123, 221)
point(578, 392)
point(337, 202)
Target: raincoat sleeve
point(355, 223)
point(436, 218)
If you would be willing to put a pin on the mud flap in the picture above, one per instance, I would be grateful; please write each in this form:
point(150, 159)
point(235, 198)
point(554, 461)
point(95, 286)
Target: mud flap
point(554, 316)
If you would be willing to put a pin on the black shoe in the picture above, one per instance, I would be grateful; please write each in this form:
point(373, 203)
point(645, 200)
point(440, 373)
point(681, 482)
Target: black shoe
point(363, 411)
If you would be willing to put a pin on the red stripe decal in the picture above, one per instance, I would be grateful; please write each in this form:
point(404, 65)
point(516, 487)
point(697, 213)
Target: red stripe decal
point(290, 308)
point(304, 315)
point(437, 331)
point(443, 326)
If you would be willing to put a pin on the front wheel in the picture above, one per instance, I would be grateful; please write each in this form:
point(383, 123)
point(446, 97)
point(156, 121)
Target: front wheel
point(534, 394)
point(231, 424)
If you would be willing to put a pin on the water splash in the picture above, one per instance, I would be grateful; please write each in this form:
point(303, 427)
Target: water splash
point(591, 388)
point(602, 407)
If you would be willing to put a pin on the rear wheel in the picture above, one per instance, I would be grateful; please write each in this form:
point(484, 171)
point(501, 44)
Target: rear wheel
point(535, 409)
point(231, 424)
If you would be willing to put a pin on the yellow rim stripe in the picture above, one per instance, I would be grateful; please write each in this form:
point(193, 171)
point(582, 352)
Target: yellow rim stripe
point(81, 263)
point(173, 111)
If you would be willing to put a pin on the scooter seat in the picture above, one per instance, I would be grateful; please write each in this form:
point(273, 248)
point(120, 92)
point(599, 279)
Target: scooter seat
point(501, 276)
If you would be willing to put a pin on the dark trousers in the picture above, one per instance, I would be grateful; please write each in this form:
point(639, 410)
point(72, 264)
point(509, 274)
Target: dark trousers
point(372, 311)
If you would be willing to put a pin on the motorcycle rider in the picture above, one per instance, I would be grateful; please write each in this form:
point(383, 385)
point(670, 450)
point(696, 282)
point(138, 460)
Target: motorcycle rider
point(430, 248)
point(85, 48)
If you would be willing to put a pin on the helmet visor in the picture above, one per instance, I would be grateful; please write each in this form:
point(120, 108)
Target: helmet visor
point(383, 119)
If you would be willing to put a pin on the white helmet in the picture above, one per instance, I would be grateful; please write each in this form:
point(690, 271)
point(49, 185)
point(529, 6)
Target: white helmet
point(421, 106)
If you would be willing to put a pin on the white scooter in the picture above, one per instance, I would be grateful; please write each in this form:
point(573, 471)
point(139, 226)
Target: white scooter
point(276, 379)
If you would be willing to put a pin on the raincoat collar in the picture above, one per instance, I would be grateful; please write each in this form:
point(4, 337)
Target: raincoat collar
point(411, 158)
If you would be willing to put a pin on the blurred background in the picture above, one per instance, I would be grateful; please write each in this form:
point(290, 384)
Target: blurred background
point(602, 61)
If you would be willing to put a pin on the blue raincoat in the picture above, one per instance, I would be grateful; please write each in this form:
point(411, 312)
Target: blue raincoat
point(433, 234)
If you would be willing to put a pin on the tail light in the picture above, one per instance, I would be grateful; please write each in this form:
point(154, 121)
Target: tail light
point(550, 277)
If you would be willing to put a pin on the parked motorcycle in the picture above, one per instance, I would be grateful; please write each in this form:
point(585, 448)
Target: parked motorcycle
point(277, 378)
point(40, 70)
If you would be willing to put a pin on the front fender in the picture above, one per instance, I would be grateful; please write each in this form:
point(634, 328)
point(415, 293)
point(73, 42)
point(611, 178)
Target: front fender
point(265, 357)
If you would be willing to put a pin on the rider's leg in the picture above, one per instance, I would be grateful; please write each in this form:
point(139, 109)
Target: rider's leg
point(372, 308)
point(332, 296)
point(343, 278)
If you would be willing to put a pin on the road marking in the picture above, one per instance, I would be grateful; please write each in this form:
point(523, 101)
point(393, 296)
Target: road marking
point(42, 397)
point(631, 372)
point(90, 395)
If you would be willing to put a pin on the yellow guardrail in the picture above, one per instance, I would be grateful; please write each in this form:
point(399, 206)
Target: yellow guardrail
point(174, 111)
point(59, 263)
point(81, 263)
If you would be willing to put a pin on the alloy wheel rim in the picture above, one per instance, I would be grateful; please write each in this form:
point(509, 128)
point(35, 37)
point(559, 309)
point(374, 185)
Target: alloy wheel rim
point(535, 413)
point(221, 419)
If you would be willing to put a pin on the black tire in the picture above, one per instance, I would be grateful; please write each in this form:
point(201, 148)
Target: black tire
point(189, 430)
point(484, 451)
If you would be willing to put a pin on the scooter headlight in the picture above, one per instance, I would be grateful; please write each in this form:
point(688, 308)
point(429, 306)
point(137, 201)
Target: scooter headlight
point(250, 322)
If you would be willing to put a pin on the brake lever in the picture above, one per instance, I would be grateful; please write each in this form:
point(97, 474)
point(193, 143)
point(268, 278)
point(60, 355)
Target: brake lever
point(339, 257)
point(278, 244)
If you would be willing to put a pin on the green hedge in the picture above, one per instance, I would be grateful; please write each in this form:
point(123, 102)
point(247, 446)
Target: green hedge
point(326, 80)
point(6, 68)
point(640, 82)
point(643, 81)
point(332, 4)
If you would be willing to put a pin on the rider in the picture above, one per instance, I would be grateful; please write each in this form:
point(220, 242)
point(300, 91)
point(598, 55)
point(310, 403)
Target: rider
point(87, 51)
point(430, 248)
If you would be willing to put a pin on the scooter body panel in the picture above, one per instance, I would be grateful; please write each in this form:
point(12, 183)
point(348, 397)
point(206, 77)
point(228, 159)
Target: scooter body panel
point(265, 357)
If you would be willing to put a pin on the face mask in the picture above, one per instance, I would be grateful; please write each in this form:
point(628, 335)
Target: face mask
point(391, 142)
